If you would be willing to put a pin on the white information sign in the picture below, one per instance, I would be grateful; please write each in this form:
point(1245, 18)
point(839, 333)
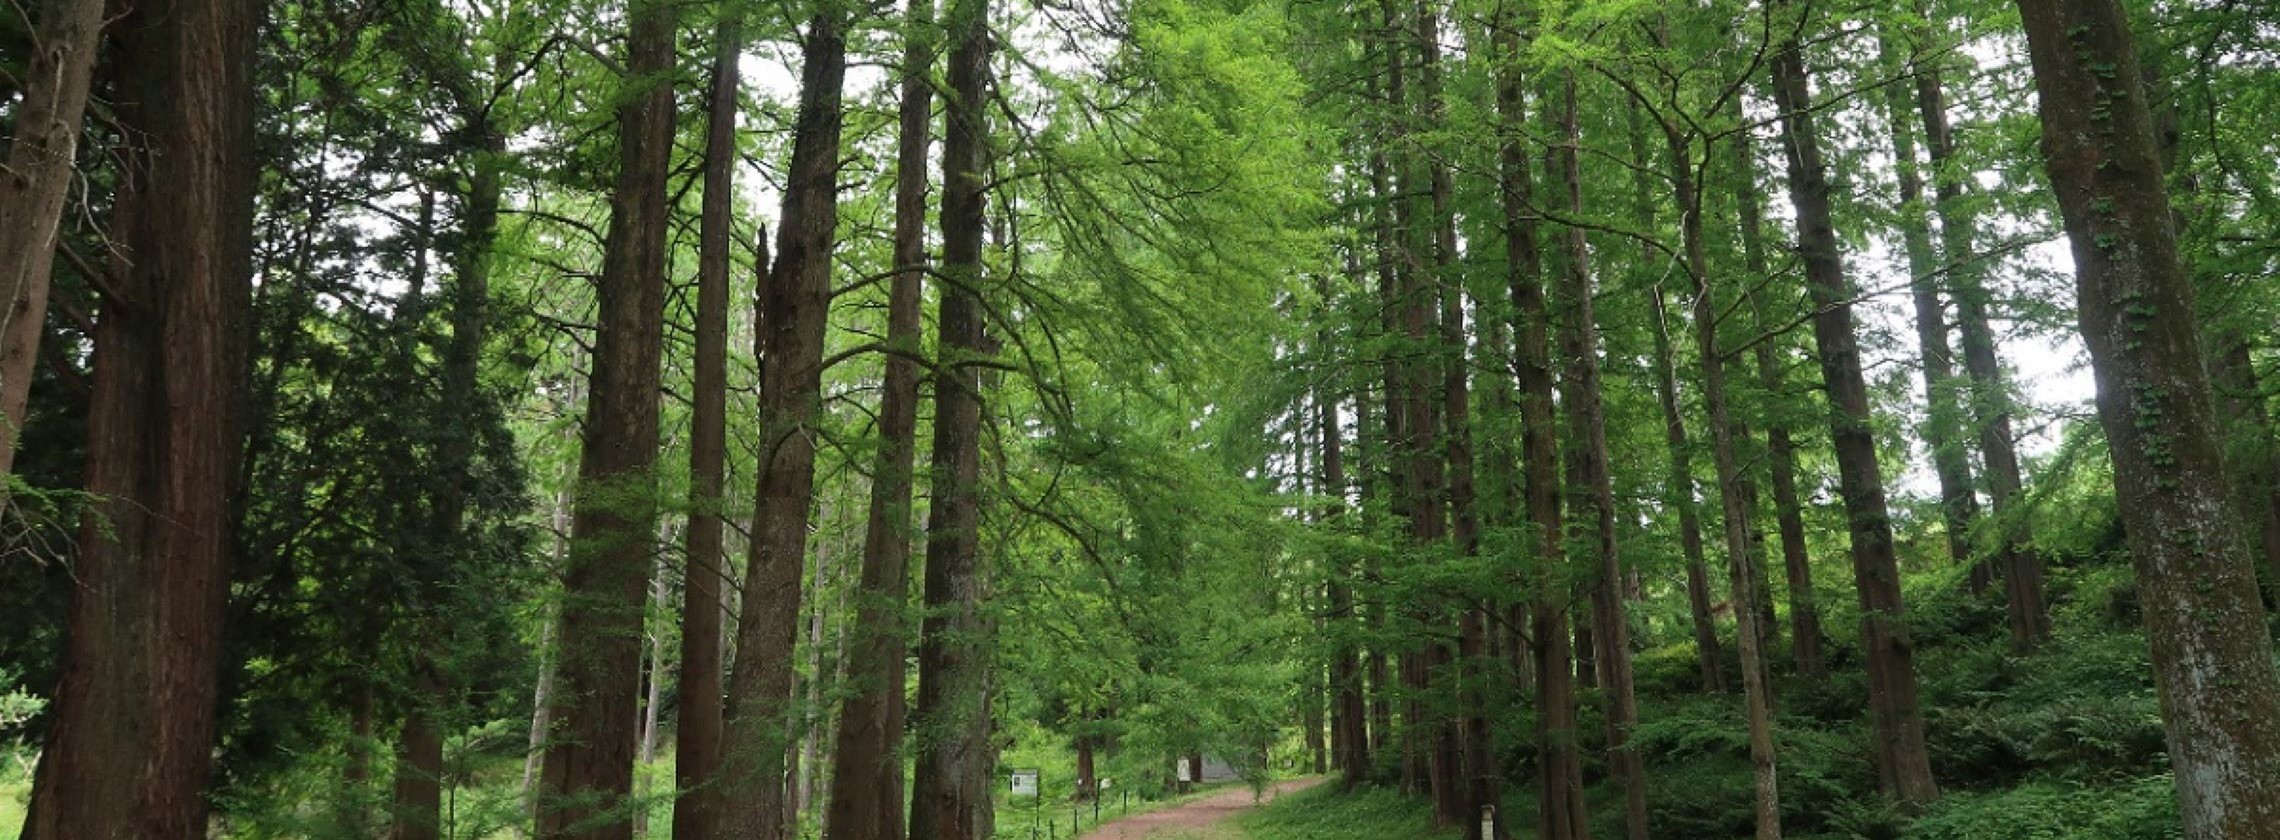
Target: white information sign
point(1025, 783)
point(1187, 771)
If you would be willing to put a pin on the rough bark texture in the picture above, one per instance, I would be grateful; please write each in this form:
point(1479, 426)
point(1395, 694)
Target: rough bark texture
point(589, 759)
point(797, 303)
point(1561, 812)
point(1781, 450)
point(1942, 427)
point(2220, 698)
point(33, 186)
point(1903, 766)
point(951, 782)
point(134, 710)
point(697, 712)
point(1990, 392)
point(867, 794)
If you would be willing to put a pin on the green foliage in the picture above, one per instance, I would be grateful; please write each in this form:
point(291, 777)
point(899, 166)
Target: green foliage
point(2124, 809)
point(1322, 814)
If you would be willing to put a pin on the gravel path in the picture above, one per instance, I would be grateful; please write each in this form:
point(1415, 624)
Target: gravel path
point(1202, 813)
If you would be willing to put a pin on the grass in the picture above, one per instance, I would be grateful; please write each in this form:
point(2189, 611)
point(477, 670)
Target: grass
point(15, 792)
point(1323, 814)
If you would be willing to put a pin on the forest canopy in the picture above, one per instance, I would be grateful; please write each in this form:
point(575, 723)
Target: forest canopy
point(613, 418)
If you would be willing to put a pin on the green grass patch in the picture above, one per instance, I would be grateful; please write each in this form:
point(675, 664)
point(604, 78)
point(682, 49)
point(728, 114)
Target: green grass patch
point(1323, 814)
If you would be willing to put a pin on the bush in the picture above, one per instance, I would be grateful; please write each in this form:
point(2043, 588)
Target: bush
point(2136, 809)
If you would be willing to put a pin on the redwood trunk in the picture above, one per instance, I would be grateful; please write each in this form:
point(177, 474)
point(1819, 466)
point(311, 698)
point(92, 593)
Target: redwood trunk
point(588, 770)
point(1562, 813)
point(951, 784)
point(867, 790)
point(697, 711)
point(758, 721)
point(2212, 659)
point(1903, 766)
point(134, 711)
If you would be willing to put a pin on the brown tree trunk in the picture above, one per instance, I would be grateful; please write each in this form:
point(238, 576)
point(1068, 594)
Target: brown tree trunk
point(798, 302)
point(1562, 814)
point(1736, 494)
point(867, 794)
point(34, 184)
point(588, 770)
point(951, 781)
point(133, 722)
point(1942, 428)
point(1903, 766)
point(697, 710)
point(419, 764)
point(2220, 698)
point(1781, 451)
point(1990, 393)
point(1350, 737)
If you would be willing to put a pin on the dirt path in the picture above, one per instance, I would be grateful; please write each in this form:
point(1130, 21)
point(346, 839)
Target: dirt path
point(1202, 813)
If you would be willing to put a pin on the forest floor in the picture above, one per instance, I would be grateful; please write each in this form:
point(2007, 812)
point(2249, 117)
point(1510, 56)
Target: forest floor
point(1189, 820)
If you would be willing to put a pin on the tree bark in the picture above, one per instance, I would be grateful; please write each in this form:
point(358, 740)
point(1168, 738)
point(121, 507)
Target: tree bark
point(1903, 766)
point(34, 185)
point(951, 781)
point(132, 736)
point(697, 710)
point(588, 771)
point(1990, 390)
point(1942, 428)
point(798, 301)
point(2220, 698)
point(867, 796)
point(1562, 813)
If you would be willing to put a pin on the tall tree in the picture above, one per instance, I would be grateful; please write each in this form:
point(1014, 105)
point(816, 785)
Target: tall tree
point(1903, 765)
point(866, 799)
point(1989, 389)
point(588, 771)
point(130, 745)
point(1943, 407)
point(1562, 812)
point(798, 301)
point(950, 783)
point(2220, 697)
point(698, 710)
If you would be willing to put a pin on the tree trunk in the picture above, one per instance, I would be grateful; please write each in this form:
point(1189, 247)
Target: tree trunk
point(588, 772)
point(2220, 698)
point(798, 301)
point(951, 781)
point(811, 707)
point(1562, 812)
point(1781, 451)
point(1903, 766)
point(1942, 428)
point(1736, 495)
point(419, 763)
point(132, 733)
point(34, 185)
point(1990, 392)
point(697, 709)
point(866, 800)
point(1350, 736)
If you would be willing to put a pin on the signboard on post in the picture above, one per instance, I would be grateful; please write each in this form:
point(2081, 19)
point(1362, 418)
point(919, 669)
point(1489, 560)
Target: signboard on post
point(1025, 783)
point(1187, 771)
